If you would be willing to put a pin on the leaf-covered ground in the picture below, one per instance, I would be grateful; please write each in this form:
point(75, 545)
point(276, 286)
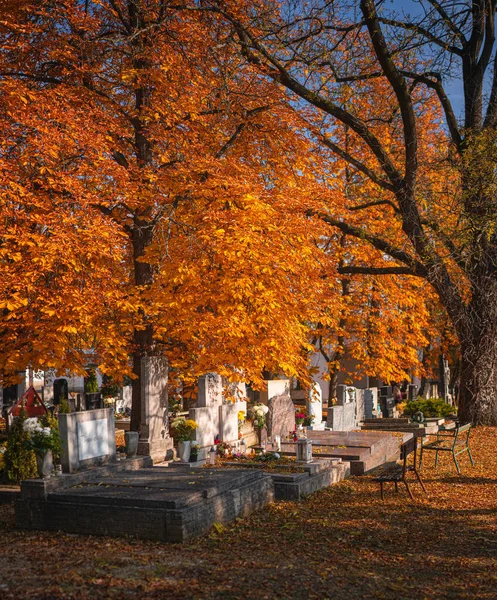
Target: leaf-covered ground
point(341, 543)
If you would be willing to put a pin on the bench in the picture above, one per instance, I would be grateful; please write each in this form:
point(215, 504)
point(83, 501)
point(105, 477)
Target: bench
point(398, 472)
point(455, 441)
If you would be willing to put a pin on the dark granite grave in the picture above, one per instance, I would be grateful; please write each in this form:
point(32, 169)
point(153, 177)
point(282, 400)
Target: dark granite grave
point(159, 503)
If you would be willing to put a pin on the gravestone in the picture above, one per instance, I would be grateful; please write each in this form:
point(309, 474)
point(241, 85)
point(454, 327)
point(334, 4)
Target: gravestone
point(342, 418)
point(314, 405)
point(210, 390)
point(60, 390)
point(280, 419)
point(342, 396)
point(228, 421)
point(368, 404)
point(154, 438)
point(275, 387)
point(412, 391)
point(87, 439)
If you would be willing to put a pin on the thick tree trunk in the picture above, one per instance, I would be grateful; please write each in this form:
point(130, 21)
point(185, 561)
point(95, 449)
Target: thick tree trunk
point(478, 383)
point(143, 338)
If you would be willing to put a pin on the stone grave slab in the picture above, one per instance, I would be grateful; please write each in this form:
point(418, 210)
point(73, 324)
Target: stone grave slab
point(158, 503)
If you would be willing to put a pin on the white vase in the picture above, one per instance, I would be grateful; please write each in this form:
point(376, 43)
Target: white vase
point(184, 449)
point(44, 464)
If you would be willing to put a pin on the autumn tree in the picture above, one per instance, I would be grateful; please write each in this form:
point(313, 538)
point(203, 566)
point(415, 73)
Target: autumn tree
point(148, 172)
point(335, 58)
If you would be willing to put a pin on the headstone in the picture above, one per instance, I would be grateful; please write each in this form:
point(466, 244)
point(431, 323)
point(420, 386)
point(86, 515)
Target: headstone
point(154, 435)
point(342, 418)
point(360, 408)
point(315, 404)
point(412, 391)
point(386, 390)
point(210, 390)
point(342, 397)
point(87, 439)
point(207, 419)
point(275, 387)
point(368, 404)
point(280, 419)
point(60, 390)
point(228, 421)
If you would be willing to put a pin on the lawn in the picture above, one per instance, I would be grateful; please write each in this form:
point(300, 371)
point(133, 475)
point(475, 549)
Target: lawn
point(340, 543)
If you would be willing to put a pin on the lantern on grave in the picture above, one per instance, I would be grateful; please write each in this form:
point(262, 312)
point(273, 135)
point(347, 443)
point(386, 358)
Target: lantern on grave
point(212, 455)
point(304, 450)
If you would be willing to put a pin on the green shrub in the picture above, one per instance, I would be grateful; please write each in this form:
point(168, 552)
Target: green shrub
point(430, 407)
point(91, 383)
point(19, 461)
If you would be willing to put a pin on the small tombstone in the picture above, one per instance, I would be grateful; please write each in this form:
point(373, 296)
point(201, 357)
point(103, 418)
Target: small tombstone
point(87, 439)
point(275, 387)
point(60, 390)
point(281, 416)
point(315, 404)
point(412, 391)
point(368, 404)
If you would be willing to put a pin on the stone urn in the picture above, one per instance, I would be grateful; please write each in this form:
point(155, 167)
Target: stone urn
point(44, 464)
point(131, 443)
point(184, 449)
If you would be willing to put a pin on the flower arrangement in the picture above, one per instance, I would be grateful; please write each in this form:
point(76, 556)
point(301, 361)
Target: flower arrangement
point(182, 429)
point(300, 417)
point(42, 436)
point(308, 420)
point(194, 448)
point(258, 414)
point(241, 421)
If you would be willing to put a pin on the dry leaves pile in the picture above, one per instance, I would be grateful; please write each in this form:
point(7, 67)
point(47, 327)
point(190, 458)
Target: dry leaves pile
point(341, 543)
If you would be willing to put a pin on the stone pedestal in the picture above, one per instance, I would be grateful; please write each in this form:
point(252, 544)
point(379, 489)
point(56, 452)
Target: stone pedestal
point(154, 436)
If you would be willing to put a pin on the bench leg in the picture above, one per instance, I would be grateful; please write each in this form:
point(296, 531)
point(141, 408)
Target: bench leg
point(396, 487)
point(421, 456)
point(471, 457)
point(436, 459)
point(381, 489)
point(457, 464)
point(408, 490)
point(421, 483)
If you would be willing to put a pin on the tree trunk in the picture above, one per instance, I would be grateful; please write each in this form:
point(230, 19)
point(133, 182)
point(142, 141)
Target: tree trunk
point(478, 338)
point(143, 339)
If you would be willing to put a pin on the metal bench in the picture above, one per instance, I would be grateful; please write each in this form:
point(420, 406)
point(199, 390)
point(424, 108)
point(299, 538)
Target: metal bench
point(455, 441)
point(398, 472)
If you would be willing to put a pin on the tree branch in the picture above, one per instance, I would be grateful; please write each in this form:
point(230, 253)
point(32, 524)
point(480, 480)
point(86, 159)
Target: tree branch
point(378, 271)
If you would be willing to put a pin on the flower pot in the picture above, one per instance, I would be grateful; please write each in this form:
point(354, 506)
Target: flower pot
point(131, 443)
point(184, 451)
point(44, 464)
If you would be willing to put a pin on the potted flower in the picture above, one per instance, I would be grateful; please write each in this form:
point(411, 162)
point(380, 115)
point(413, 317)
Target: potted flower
point(43, 439)
point(258, 414)
point(308, 420)
point(299, 418)
point(182, 431)
point(194, 448)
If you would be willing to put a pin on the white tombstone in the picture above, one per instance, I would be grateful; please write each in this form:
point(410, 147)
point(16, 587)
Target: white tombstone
point(315, 405)
point(154, 435)
point(210, 391)
point(275, 387)
point(228, 421)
